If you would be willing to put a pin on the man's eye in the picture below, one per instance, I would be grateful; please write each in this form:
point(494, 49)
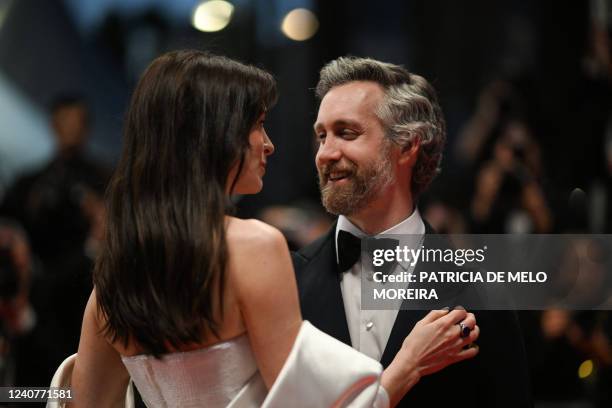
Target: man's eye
point(347, 133)
point(321, 136)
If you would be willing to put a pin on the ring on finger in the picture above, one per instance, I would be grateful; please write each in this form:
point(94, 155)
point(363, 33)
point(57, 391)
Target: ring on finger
point(464, 330)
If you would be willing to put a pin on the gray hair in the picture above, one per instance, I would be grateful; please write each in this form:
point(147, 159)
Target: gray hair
point(409, 111)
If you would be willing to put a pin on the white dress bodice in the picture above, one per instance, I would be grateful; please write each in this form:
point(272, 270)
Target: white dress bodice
point(208, 377)
point(320, 371)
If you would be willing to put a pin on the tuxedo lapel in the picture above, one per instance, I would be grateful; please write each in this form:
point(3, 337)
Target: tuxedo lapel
point(319, 287)
point(405, 320)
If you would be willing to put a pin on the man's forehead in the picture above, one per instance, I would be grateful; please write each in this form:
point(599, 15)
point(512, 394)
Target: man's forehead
point(353, 100)
point(358, 91)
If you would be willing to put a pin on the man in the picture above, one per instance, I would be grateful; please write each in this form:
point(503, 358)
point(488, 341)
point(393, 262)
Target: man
point(381, 135)
point(60, 207)
point(54, 203)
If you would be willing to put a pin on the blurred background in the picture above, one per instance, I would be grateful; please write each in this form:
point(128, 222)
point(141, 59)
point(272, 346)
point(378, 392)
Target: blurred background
point(526, 87)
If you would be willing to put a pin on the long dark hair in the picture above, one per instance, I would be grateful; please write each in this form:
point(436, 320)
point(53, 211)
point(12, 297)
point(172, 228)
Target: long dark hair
point(164, 254)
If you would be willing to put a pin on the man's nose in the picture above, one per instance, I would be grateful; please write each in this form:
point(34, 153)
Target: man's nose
point(329, 151)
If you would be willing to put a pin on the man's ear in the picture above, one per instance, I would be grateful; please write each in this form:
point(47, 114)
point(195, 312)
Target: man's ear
point(409, 153)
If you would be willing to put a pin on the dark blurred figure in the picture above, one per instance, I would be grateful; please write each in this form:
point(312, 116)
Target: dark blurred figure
point(48, 201)
point(591, 211)
point(494, 101)
point(16, 314)
point(508, 195)
point(594, 121)
point(61, 208)
point(500, 156)
point(570, 355)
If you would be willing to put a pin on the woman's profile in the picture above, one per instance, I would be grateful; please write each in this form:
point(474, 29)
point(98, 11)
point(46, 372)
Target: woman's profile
point(200, 308)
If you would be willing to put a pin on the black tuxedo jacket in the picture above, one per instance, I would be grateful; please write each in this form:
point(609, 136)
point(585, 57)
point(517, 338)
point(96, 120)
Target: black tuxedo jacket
point(496, 377)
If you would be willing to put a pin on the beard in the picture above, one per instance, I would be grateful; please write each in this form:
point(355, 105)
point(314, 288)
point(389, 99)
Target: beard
point(363, 183)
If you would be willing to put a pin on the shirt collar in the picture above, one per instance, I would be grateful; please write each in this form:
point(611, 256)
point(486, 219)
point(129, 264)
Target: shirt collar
point(409, 229)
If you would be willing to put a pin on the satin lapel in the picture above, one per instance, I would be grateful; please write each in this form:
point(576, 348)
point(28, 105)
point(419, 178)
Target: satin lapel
point(405, 320)
point(320, 294)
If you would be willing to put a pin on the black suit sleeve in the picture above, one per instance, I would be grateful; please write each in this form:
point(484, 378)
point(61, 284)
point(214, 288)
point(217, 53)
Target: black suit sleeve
point(503, 379)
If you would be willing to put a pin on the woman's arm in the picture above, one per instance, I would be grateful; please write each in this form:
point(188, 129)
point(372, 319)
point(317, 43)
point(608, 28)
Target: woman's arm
point(261, 272)
point(99, 378)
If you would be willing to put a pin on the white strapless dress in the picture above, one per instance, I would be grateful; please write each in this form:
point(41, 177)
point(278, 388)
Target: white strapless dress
point(209, 377)
point(319, 372)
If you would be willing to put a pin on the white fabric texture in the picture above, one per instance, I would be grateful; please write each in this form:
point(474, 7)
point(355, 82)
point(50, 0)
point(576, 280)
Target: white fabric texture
point(324, 372)
point(206, 377)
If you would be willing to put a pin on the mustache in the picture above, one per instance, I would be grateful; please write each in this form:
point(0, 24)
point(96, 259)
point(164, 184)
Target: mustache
point(327, 169)
point(338, 167)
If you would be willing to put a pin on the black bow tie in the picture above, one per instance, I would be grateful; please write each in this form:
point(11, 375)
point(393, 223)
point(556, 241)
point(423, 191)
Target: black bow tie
point(349, 250)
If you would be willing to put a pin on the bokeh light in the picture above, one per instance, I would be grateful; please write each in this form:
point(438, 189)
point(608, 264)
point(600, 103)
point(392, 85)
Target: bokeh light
point(300, 24)
point(585, 369)
point(213, 15)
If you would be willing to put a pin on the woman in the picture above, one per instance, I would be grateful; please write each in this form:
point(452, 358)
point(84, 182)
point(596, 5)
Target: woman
point(212, 295)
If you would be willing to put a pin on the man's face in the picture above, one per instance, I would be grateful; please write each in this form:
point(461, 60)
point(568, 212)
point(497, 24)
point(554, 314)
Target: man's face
point(70, 124)
point(354, 159)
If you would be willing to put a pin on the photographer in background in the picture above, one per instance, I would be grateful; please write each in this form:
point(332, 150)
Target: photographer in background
point(508, 194)
point(61, 208)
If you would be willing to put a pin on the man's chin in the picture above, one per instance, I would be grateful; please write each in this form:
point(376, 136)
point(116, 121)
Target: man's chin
point(339, 204)
point(334, 209)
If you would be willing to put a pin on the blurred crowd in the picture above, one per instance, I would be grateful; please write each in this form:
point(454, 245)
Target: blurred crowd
point(504, 181)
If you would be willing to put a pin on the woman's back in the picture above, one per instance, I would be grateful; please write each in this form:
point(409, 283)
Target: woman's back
point(259, 296)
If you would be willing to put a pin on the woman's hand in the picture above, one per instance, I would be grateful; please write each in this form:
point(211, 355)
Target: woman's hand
point(435, 342)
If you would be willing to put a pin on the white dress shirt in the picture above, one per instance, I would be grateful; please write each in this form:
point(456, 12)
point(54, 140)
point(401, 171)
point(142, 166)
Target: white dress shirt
point(370, 329)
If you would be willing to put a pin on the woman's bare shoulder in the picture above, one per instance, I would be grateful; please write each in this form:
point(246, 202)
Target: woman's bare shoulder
point(253, 235)
point(258, 254)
